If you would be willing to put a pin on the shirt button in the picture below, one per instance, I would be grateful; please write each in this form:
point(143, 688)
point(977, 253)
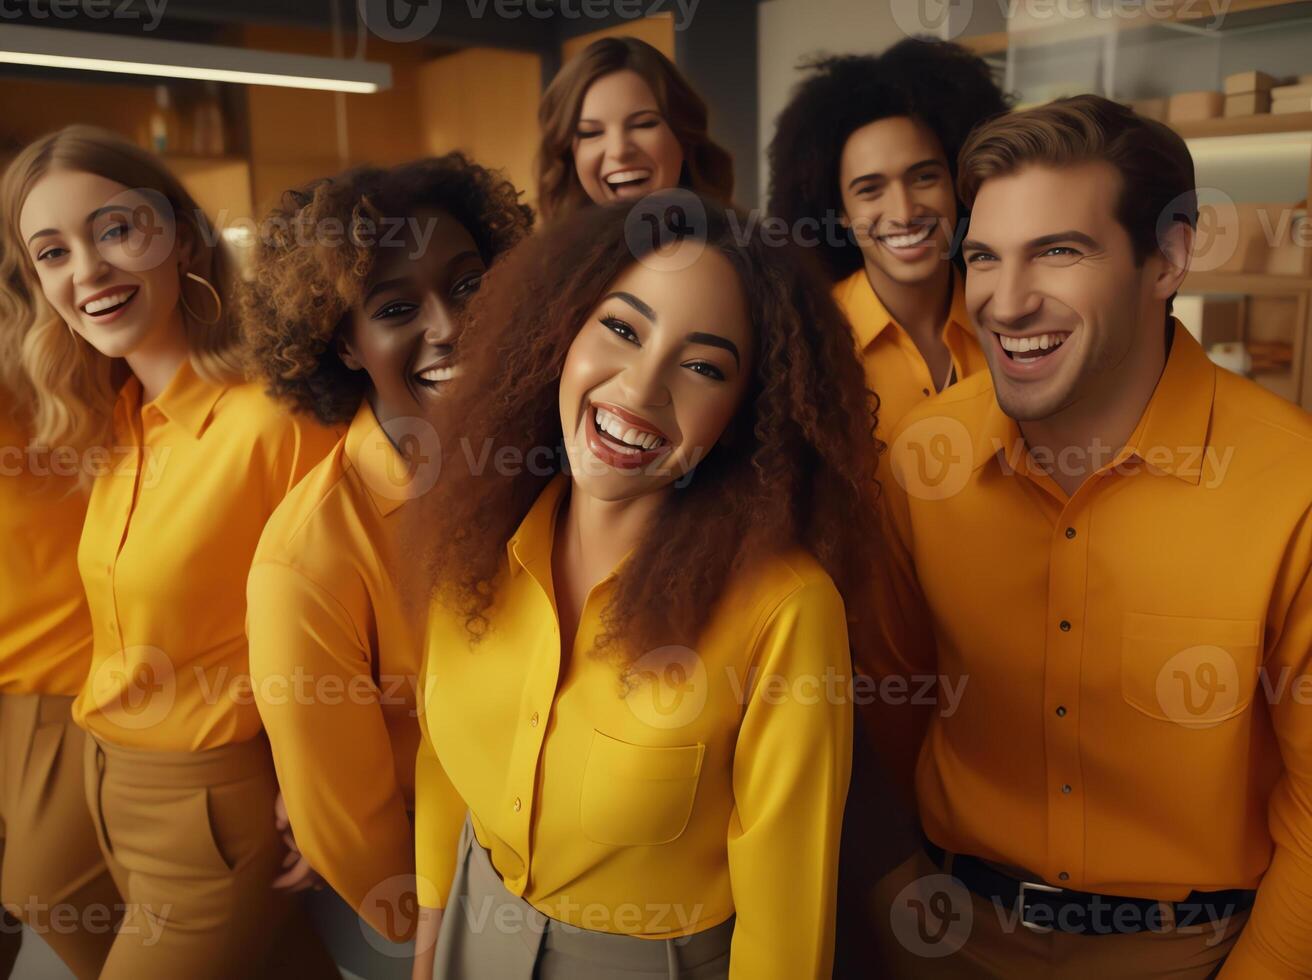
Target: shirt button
point(534, 720)
point(1066, 788)
point(517, 804)
point(1063, 876)
point(1065, 626)
point(1061, 711)
point(1070, 532)
point(925, 392)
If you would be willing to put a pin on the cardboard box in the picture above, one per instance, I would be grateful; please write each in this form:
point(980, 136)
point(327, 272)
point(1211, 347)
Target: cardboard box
point(1191, 106)
point(1291, 91)
point(1151, 108)
point(1221, 320)
point(1232, 238)
point(1248, 81)
point(1280, 107)
point(1248, 104)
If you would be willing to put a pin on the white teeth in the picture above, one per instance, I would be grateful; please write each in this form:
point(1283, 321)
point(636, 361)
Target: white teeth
point(107, 302)
point(910, 238)
point(439, 373)
point(1020, 345)
point(612, 426)
point(625, 176)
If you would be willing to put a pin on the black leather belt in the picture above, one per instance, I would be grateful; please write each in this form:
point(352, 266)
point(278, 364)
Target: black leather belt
point(1044, 908)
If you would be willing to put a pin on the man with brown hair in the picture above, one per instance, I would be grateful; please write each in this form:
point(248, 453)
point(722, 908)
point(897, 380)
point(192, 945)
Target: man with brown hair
point(1107, 540)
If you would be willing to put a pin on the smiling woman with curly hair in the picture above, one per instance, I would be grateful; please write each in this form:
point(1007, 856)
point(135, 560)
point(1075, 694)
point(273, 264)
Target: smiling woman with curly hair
point(656, 500)
point(358, 299)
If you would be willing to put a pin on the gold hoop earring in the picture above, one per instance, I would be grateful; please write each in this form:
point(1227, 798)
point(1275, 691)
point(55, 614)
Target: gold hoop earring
point(218, 301)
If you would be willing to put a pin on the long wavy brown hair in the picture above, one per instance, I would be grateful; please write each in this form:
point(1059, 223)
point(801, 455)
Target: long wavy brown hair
point(799, 469)
point(707, 166)
point(305, 284)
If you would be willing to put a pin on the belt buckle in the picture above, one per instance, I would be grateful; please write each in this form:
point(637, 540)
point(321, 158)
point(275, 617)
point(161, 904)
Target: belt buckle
point(1037, 886)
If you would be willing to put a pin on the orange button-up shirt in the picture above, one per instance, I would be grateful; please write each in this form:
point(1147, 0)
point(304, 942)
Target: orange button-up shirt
point(1123, 674)
point(334, 658)
point(164, 556)
point(45, 632)
point(895, 369)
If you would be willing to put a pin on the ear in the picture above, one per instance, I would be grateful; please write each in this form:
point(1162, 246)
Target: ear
point(186, 249)
point(342, 346)
point(1176, 245)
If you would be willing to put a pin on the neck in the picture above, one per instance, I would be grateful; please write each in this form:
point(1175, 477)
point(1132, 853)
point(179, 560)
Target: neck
point(919, 308)
point(156, 361)
point(595, 535)
point(1087, 434)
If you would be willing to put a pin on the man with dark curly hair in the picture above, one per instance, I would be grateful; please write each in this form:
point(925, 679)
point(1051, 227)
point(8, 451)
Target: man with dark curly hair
point(867, 148)
point(354, 313)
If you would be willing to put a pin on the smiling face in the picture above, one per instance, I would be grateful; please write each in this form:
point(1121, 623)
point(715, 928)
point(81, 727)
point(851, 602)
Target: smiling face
point(404, 331)
point(623, 147)
point(1063, 313)
point(108, 260)
point(654, 376)
point(898, 198)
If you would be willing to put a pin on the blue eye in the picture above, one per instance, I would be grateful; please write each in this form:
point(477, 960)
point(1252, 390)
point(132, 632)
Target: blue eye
point(114, 231)
point(51, 253)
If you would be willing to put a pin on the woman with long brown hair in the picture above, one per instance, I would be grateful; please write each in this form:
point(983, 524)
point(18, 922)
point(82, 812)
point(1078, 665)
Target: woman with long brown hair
point(655, 501)
point(132, 352)
point(618, 122)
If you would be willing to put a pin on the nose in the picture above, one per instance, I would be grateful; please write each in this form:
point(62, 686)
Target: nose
point(898, 204)
point(440, 325)
point(618, 144)
point(1014, 298)
point(89, 266)
point(643, 383)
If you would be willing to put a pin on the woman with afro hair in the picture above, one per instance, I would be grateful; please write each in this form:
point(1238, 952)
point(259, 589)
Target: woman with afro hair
point(867, 151)
point(354, 312)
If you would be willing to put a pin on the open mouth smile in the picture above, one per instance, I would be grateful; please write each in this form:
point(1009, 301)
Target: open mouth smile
point(108, 304)
point(623, 439)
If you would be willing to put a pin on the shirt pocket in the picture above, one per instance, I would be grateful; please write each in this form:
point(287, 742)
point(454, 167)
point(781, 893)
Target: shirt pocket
point(1196, 673)
point(634, 795)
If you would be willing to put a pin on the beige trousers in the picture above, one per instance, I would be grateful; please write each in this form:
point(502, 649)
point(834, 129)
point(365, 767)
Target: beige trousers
point(52, 874)
point(488, 932)
point(930, 928)
point(190, 839)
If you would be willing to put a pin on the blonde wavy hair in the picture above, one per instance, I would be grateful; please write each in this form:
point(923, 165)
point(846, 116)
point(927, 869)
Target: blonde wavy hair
point(66, 387)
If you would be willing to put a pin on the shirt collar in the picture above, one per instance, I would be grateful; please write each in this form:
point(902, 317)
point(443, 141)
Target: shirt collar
point(531, 543)
point(1171, 435)
point(870, 317)
point(385, 472)
point(188, 400)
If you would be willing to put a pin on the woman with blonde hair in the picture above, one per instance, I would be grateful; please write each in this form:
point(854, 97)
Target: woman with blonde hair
point(48, 851)
point(619, 122)
point(131, 355)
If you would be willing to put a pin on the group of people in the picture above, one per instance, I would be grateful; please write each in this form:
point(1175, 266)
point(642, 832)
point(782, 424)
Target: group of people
point(634, 595)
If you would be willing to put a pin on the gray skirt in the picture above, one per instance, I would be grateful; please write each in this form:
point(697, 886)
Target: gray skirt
point(488, 933)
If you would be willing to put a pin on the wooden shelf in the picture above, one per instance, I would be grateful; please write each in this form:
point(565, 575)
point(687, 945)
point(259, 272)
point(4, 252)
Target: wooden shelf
point(1254, 283)
point(1290, 122)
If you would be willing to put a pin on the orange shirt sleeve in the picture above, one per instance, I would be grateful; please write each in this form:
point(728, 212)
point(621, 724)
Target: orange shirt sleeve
point(1277, 940)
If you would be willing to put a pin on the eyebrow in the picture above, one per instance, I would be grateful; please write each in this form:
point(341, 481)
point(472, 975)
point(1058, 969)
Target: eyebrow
point(715, 340)
point(46, 232)
point(1062, 236)
point(918, 165)
point(393, 283)
point(633, 301)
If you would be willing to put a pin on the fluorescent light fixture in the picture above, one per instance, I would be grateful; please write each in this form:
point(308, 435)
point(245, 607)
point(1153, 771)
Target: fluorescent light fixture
point(48, 47)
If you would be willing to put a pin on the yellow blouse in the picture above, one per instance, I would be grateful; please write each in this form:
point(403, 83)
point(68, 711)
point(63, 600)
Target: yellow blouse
point(45, 632)
point(168, 543)
point(714, 787)
point(334, 657)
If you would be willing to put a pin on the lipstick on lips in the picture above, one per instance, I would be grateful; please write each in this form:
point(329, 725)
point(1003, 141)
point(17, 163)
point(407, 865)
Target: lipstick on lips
point(622, 439)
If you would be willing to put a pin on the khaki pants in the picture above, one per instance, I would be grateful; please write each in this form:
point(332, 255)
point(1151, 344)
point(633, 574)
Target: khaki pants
point(930, 927)
point(54, 878)
point(488, 933)
point(190, 839)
